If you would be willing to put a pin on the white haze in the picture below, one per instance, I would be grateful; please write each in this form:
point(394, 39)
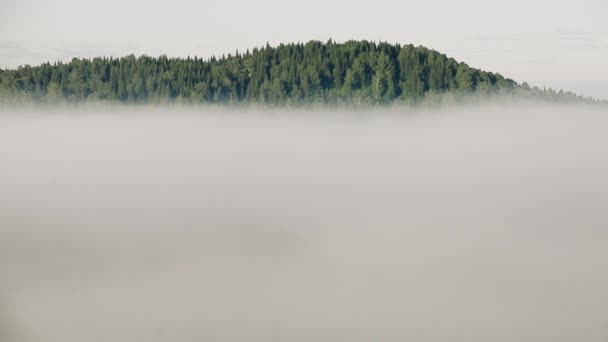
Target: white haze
point(149, 224)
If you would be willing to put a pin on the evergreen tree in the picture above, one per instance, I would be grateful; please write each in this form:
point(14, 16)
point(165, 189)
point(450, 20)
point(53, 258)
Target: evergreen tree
point(357, 72)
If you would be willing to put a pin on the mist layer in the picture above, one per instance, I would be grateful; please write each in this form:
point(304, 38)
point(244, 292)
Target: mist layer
point(483, 224)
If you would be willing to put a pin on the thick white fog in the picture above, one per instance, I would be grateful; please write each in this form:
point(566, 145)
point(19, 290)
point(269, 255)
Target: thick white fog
point(147, 224)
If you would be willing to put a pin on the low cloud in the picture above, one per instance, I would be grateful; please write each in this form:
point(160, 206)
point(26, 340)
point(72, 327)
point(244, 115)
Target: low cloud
point(165, 224)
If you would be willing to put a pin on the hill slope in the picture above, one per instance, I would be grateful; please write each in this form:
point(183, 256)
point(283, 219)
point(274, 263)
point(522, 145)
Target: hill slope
point(355, 72)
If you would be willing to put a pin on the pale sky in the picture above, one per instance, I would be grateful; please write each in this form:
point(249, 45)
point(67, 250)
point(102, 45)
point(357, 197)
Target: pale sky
point(553, 43)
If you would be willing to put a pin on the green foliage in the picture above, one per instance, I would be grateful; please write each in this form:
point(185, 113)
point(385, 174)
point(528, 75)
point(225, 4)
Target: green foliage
point(354, 72)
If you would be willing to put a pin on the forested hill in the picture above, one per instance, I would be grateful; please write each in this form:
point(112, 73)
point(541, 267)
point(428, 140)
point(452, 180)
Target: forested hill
point(355, 72)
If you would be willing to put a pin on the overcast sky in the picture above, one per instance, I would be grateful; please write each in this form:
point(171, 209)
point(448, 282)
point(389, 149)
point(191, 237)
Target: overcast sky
point(554, 43)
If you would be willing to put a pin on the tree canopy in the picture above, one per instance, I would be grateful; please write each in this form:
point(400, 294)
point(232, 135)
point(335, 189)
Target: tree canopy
point(354, 72)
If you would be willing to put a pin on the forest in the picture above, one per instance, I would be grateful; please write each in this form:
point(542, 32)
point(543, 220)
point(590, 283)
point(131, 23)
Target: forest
point(353, 72)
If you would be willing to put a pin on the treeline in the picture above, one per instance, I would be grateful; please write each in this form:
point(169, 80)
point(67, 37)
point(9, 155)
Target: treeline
point(354, 72)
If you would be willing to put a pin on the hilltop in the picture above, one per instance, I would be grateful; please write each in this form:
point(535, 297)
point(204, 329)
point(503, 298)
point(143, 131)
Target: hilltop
point(354, 72)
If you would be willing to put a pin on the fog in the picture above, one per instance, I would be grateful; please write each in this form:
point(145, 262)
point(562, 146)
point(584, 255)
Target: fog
point(200, 224)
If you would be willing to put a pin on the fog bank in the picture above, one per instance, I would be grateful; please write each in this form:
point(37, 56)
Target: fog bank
point(151, 224)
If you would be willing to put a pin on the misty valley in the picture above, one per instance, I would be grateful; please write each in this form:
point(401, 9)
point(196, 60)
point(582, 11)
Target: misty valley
point(215, 224)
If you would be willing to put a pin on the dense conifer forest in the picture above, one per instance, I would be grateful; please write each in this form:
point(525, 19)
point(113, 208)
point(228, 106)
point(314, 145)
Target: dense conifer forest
point(354, 72)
